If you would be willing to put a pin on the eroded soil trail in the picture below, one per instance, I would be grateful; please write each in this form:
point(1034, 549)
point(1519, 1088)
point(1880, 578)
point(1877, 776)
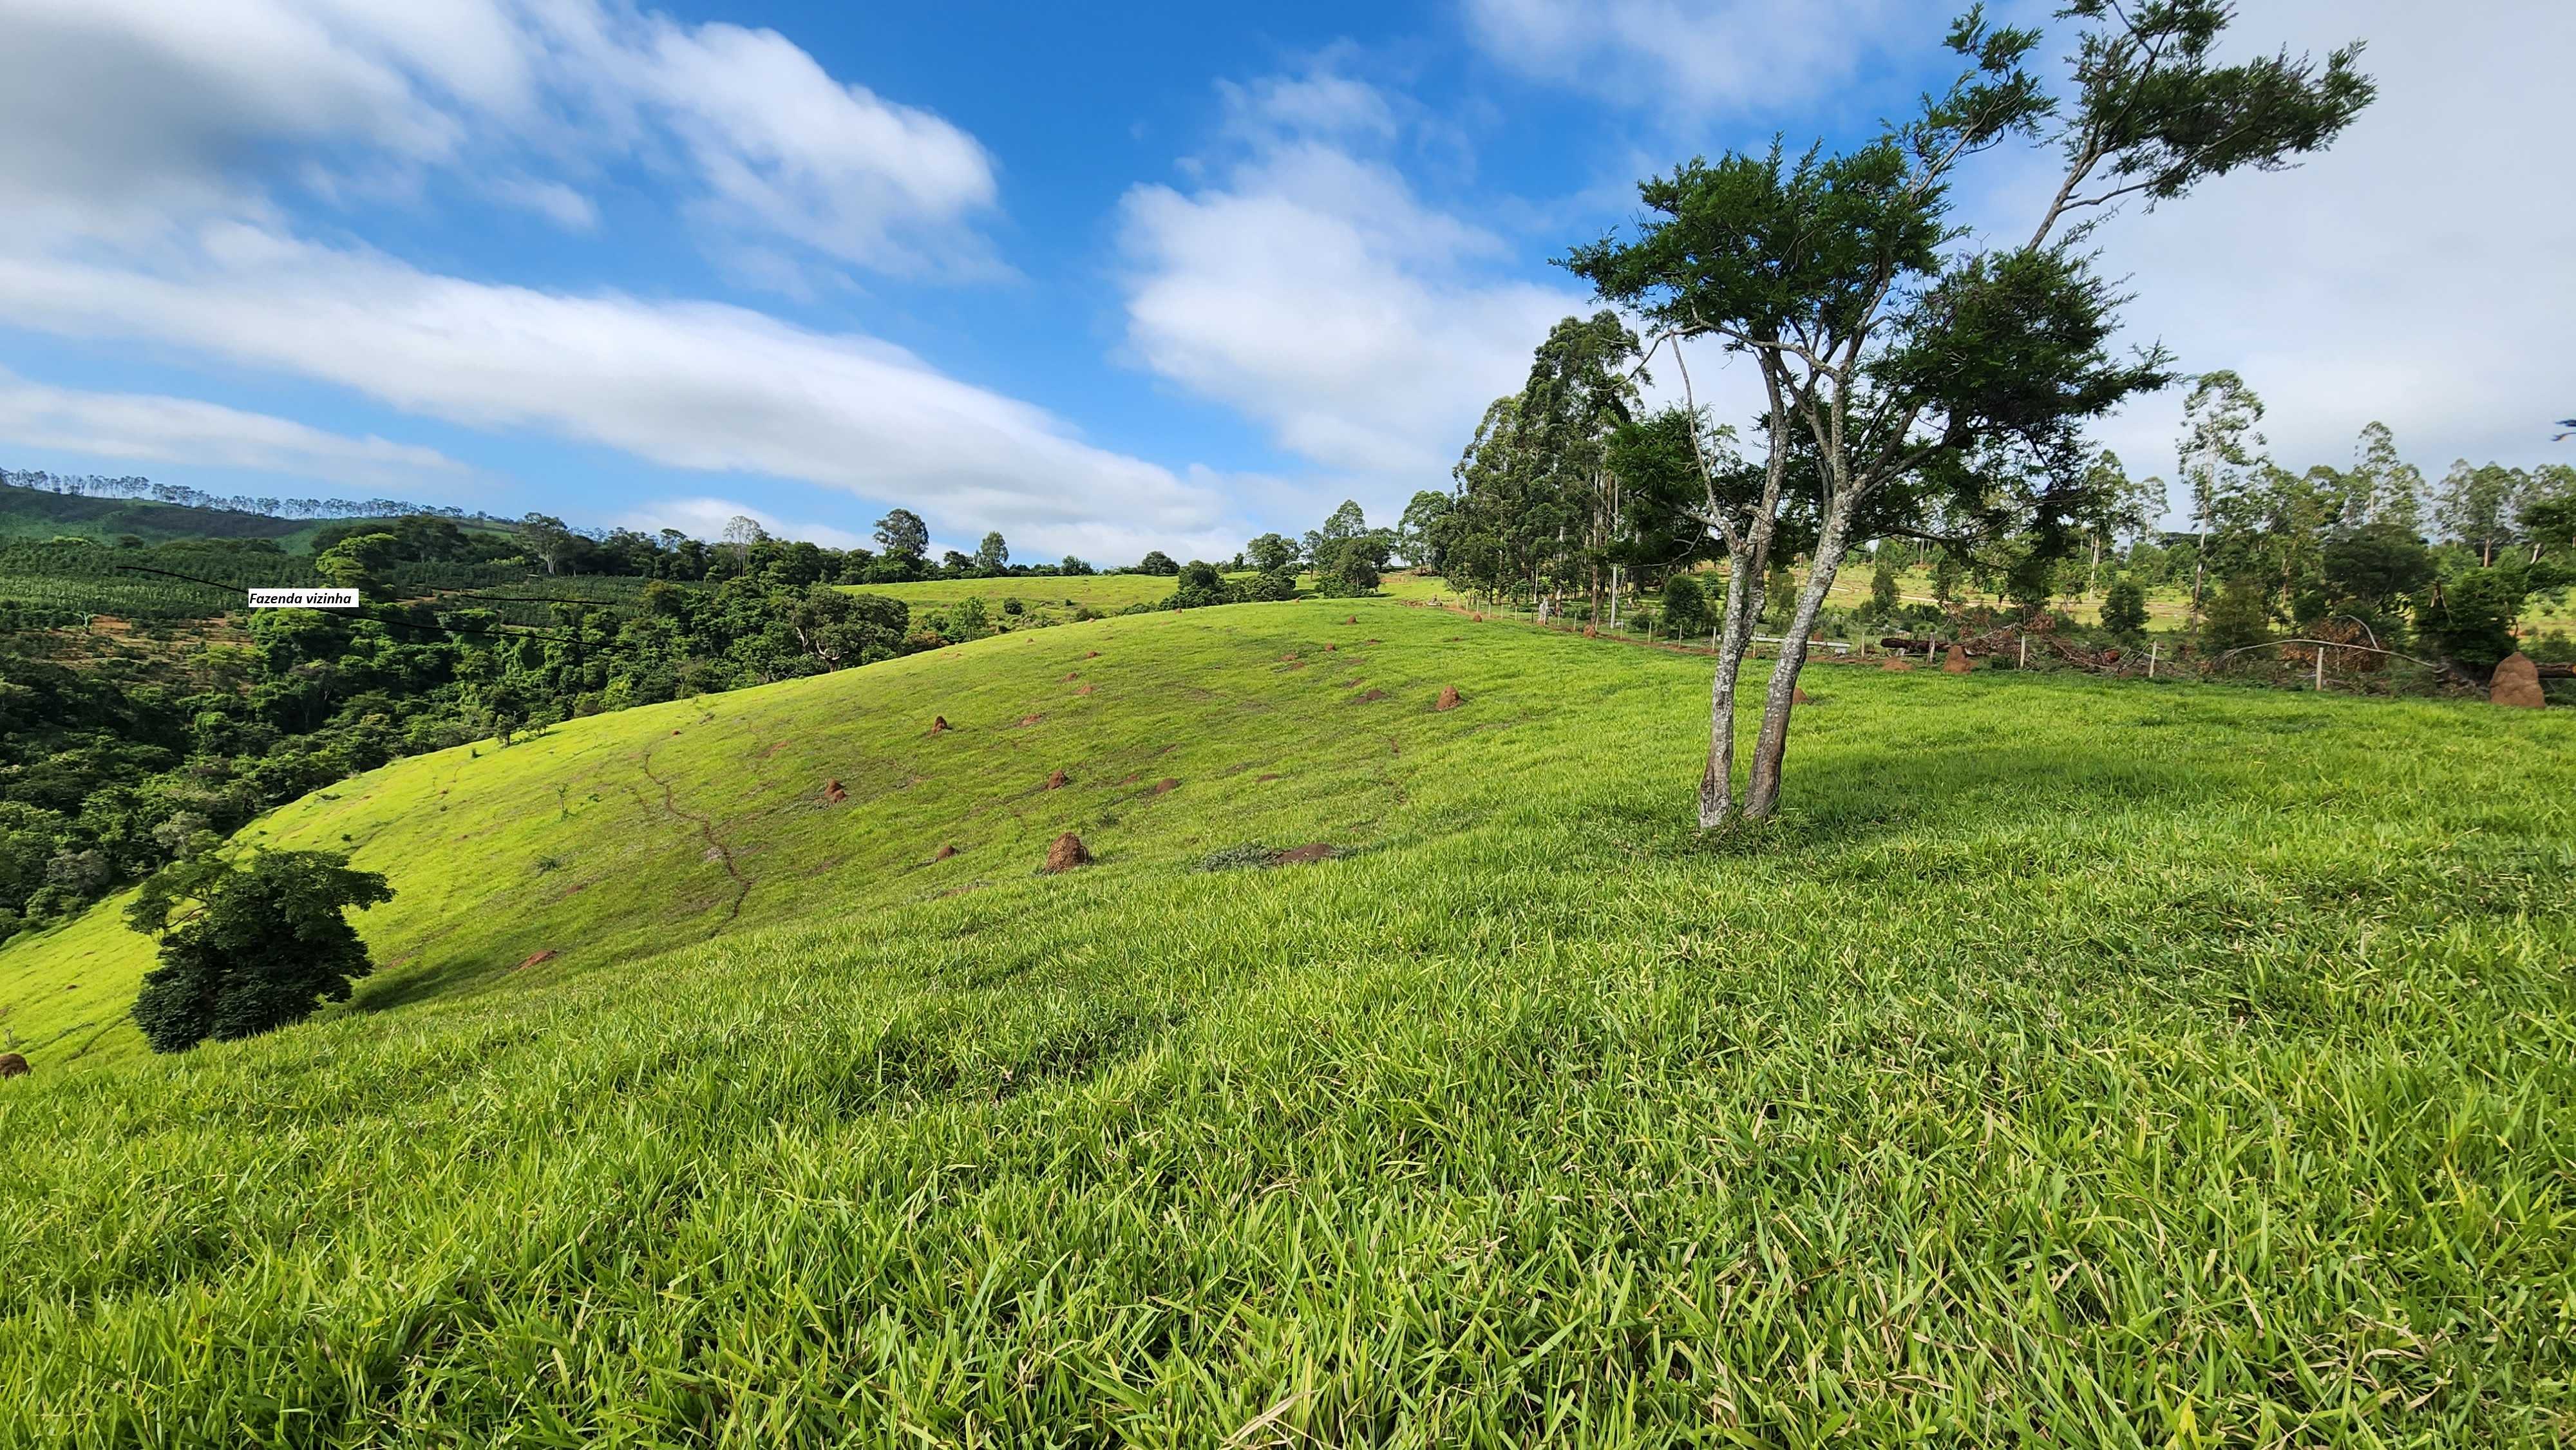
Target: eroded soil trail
point(706, 829)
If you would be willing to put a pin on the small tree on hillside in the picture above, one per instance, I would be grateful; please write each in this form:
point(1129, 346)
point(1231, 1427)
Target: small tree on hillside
point(248, 948)
point(2124, 608)
point(1906, 376)
point(1685, 606)
point(992, 556)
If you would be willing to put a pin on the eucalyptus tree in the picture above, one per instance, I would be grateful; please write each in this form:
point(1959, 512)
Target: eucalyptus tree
point(1901, 359)
point(2220, 456)
point(1583, 387)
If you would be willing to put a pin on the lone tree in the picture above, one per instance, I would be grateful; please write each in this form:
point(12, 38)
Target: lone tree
point(248, 948)
point(992, 556)
point(1910, 371)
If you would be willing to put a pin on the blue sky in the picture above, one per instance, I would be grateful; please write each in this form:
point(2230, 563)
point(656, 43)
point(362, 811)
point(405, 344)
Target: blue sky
point(1104, 278)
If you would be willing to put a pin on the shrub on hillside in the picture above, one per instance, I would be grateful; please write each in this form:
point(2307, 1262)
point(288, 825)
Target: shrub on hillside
point(1272, 586)
point(1199, 585)
point(1351, 575)
point(248, 948)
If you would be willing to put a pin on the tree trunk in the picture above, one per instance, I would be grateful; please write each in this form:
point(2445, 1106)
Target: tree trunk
point(1735, 636)
point(1762, 792)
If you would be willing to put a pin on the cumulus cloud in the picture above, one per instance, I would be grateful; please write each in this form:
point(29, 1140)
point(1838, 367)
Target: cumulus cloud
point(160, 429)
point(153, 147)
point(120, 111)
point(684, 384)
point(1307, 286)
point(1684, 57)
point(706, 518)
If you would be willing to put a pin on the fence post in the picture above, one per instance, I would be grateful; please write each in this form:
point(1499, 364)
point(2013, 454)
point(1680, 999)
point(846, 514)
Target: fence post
point(2025, 653)
point(2321, 668)
point(2151, 660)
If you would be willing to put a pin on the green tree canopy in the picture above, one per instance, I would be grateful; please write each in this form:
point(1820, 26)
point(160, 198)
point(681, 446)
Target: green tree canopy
point(245, 949)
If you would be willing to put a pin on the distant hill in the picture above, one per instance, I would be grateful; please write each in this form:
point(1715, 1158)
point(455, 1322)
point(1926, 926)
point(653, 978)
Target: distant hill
point(35, 513)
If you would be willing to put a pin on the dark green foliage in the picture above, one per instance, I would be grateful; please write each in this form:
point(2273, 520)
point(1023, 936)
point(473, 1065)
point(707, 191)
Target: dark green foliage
point(1270, 586)
point(2468, 616)
point(2124, 608)
point(1685, 606)
point(1199, 584)
point(1157, 562)
point(1883, 598)
point(902, 536)
point(2239, 618)
point(1352, 574)
point(1272, 554)
point(251, 948)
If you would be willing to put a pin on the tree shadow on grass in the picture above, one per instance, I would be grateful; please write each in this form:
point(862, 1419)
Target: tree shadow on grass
point(1855, 797)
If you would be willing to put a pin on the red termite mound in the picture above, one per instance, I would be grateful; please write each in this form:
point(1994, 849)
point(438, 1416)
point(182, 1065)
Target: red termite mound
point(1066, 853)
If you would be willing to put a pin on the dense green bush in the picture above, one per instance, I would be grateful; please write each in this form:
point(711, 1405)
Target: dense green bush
point(1685, 605)
point(252, 948)
point(2124, 608)
point(2239, 618)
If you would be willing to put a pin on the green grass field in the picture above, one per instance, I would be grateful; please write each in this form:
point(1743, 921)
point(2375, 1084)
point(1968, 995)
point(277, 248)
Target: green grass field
point(2078, 1064)
point(1044, 598)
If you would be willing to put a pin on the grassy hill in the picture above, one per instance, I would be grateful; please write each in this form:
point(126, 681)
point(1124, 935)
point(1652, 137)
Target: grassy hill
point(2080, 1064)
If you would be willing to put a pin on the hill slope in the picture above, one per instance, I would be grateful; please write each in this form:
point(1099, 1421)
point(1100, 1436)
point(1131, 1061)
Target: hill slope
point(37, 513)
point(2100, 1064)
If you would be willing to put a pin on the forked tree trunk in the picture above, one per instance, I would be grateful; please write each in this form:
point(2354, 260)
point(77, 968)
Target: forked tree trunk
point(1762, 791)
point(1735, 636)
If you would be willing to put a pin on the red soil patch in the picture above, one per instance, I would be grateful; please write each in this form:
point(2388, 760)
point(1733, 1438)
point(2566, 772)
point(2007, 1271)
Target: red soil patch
point(938, 723)
point(1354, 619)
point(1589, 632)
point(1350, 684)
point(1292, 654)
point(1095, 654)
point(12, 1065)
point(1448, 698)
point(1031, 719)
point(1368, 641)
point(943, 853)
point(1166, 786)
point(675, 732)
point(832, 792)
point(1798, 696)
point(1066, 853)
point(534, 958)
point(1371, 697)
point(1328, 649)
point(1056, 781)
point(1085, 690)
point(1312, 851)
point(1259, 778)
point(1480, 618)
point(1072, 675)
point(1896, 666)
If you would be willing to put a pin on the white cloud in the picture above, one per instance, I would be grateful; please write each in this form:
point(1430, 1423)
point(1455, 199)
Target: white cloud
point(161, 429)
point(682, 384)
point(553, 200)
point(1310, 289)
point(1684, 57)
point(119, 111)
point(706, 518)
